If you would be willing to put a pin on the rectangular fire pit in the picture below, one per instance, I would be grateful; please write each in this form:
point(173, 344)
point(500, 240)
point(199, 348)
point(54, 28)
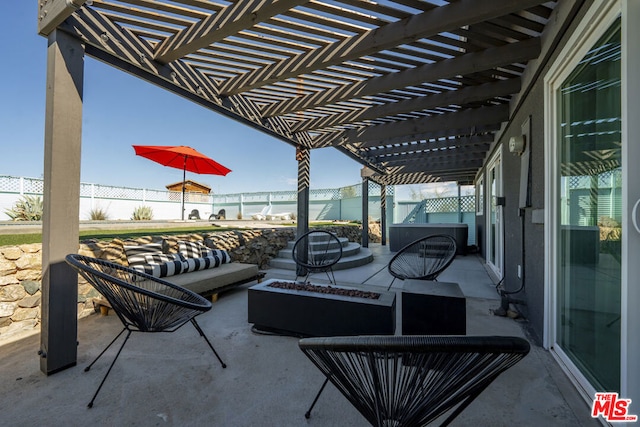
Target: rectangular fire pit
point(314, 314)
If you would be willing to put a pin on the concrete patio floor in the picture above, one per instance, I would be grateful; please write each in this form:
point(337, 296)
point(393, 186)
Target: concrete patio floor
point(174, 379)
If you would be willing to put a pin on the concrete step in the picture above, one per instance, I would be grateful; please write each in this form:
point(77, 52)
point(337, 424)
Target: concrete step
point(364, 256)
point(321, 243)
point(348, 249)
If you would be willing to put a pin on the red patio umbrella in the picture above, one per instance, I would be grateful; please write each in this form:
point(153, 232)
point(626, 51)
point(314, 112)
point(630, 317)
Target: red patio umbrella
point(181, 157)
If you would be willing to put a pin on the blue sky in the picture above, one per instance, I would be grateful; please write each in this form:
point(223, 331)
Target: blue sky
point(121, 110)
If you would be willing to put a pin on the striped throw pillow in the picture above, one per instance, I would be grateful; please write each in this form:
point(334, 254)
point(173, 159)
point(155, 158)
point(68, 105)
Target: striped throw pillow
point(202, 263)
point(136, 254)
point(222, 257)
point(206, 252)
point(151, 270)
point(190, 249)
point(164, 265)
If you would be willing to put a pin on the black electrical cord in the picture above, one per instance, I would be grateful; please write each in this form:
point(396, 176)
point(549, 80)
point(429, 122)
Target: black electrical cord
point(505, 299)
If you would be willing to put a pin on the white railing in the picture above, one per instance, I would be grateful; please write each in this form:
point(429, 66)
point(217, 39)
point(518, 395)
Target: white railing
point(119, 203)
point(324, 204)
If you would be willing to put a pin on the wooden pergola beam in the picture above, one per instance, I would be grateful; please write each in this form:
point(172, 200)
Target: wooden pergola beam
point(434, 156)
point(463, 176)
point(236, 17)
point(432, 22)
point(462, 96)
point(517, 52)
point(438, 167)
point(378, 154)
point(372, 136)
point(121, 43)
point(52, 13)
point(416, 178)
point(456, 132)
point(120, 48)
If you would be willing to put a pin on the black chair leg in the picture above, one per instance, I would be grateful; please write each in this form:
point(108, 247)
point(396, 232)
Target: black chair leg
point(90, 405)
point(465, 403)
point(307, 414)
point(329, 273)
point(306, 277)
point(332, 278)
point(207, 340)
point(105, 349)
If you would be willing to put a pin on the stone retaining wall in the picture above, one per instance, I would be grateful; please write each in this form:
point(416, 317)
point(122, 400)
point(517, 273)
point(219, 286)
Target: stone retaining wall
point(21, 266)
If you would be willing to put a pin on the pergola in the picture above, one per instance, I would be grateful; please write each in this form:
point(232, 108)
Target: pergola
point(414, 90)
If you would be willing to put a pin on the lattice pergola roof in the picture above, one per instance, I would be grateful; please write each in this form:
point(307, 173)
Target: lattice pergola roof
point(413, 89)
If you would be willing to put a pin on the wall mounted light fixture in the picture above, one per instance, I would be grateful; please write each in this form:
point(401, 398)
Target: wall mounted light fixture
point(516, 144)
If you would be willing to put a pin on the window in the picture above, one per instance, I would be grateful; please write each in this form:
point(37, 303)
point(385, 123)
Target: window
point(480, 196)
point(584, 196)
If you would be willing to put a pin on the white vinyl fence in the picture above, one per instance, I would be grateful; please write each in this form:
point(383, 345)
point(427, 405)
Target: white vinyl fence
point(330, 204)
point(119, 203)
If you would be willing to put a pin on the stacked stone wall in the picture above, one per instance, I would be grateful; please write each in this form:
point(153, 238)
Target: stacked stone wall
point(21, 266)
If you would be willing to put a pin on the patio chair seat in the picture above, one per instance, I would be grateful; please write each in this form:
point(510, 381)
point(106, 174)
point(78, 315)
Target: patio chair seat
point(412, 380)
point(222, 214)
point(317, 251)
point(195, 214)
point(423, 259)
point(143, 303)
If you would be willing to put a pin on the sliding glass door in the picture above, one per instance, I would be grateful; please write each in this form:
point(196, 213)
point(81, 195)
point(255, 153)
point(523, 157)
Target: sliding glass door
point(494, 216)
point(588, 171)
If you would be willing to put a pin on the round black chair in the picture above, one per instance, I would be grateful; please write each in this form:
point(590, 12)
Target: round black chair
point(423, 259)
point(412, 380)
point(222, 214)
point(317, 251)
point(142, 302)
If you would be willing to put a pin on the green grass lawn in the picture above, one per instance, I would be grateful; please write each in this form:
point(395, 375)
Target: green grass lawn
point(21, 239)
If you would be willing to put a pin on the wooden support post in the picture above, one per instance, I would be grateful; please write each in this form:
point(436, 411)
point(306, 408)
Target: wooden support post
point(303, 156)
point(383, 214)
point(365, 212)
point(60, 225)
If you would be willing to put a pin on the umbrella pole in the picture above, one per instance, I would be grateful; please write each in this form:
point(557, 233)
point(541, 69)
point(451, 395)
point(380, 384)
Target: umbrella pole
point(184, 178)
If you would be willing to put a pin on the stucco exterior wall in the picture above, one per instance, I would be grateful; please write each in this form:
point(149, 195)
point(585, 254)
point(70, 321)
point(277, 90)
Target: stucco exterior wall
point(524, 239)
point(523, 235)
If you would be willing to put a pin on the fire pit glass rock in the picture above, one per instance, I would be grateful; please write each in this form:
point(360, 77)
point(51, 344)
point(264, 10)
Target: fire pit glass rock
point(324, 289)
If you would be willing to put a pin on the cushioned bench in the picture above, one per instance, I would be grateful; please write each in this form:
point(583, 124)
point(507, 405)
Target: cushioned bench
point(205, 282)
point(212, 281)
point(201, 269)
point(195, 266)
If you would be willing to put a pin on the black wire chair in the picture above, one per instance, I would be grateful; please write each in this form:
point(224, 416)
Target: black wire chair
point(412, 380)
point(222, 214)
point(423, 259)
point(142, 302)
point(317, 251)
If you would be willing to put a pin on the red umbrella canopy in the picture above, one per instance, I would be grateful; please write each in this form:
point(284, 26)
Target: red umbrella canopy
point(181, 157)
